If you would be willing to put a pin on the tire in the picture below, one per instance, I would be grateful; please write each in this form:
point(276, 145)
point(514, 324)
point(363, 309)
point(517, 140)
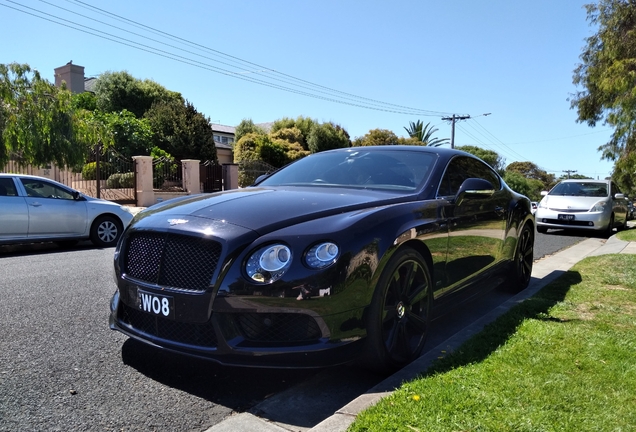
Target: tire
point(520, 271)
point(542, 229)
point(106, 231)
point(610, 227)
point(399, 315)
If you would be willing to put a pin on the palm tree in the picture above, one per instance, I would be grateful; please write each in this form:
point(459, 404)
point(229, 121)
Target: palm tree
point(423, 133)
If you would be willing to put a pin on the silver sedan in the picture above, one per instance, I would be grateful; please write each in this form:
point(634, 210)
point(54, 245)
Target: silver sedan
point(583, 204)
point(36, 209)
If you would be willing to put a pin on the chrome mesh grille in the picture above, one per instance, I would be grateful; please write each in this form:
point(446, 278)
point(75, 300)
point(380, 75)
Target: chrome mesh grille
point(171, 260)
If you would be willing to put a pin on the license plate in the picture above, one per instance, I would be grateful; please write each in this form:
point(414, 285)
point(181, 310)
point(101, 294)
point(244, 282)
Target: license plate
point(155, 304)
point(566, 217)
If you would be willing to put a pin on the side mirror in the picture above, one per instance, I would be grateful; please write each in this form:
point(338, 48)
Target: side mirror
point(76, 195)
point(619, 196)
point(260, 178)
point(475, 188)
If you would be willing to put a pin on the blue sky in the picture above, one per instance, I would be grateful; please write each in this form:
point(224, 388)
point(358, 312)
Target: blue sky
point(424, 59)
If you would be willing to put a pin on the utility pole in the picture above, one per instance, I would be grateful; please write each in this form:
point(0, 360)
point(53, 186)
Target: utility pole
point(569, 172)
point(453, 119)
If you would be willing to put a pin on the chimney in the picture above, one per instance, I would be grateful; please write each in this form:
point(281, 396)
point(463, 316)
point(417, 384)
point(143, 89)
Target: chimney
point(73, 75)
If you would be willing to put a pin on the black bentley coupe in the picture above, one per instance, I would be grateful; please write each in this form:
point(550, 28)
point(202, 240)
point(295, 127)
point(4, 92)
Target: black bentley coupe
point(345, 254)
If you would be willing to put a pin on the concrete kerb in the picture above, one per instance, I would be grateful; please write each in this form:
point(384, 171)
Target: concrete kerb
point(544, 271)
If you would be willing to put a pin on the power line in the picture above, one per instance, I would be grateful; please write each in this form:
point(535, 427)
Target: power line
point(307, 89)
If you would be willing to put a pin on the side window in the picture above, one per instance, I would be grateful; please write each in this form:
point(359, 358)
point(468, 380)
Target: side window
point(7, 187)
point(42, 189)
point(461, 168)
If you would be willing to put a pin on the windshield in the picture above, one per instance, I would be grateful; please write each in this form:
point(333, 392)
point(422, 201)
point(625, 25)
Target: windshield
point(378, 169)
point(582, 188)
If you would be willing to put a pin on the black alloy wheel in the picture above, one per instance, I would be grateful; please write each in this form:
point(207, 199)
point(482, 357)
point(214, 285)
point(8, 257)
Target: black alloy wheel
point(521, 270)
point(399, 316)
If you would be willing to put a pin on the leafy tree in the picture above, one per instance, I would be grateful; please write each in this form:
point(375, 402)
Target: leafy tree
point(86, 101)
point(181, 130)
point(116, 91)
point(531, 171)
point(327, 136)
point(37, 120)
point(376, 137)
point(131, 136)
point(607, 77)
point(491, 157)
point(303, 124)
point(423, 134)
point(526, 186)
point(247, 126)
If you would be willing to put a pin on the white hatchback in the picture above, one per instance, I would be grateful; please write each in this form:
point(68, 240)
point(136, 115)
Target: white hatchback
point(583, 204)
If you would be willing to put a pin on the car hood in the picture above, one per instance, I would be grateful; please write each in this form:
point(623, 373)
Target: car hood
point(571, 202)
point(266, 209)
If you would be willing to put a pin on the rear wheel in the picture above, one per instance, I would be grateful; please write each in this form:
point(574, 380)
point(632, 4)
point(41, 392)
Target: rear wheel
point(106, 231)
point(521, 269)
point(399, 315)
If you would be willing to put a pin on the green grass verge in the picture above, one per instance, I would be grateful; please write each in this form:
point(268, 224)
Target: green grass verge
point(564, 360)
point(628, 235)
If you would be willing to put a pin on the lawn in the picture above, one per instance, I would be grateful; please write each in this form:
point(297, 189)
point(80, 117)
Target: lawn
point(564, 360)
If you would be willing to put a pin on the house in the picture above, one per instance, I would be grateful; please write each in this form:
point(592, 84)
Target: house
point(76, 82)
point(223, 141)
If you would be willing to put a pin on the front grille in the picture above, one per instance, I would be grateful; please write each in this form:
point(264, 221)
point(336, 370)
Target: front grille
point(172, 260)
point(277, 327)
point(570, 210)
point(187, 333)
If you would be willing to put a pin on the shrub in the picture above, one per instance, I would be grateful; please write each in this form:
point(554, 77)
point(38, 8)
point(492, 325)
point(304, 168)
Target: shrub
point(88, 171)
point(121, 180)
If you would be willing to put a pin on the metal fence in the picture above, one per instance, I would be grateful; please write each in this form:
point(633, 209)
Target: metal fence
point(167, 175)
point(249, 171)
point(211, 176)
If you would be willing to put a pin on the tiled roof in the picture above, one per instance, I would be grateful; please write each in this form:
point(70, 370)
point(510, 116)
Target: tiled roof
point(223, 129)
point(89, 84)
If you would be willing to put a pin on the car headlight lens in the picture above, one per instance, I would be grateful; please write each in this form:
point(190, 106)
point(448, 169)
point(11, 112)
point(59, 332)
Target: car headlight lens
point(599, 206)
point(268, 264)
point(322, 255)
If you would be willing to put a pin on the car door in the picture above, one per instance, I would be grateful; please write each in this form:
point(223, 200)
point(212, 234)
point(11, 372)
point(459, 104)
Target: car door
point(14, 216)
point(53, 211)
point(476, 223)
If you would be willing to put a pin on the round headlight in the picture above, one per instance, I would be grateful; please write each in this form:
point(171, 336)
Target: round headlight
point(322, 255)
point(269, 263)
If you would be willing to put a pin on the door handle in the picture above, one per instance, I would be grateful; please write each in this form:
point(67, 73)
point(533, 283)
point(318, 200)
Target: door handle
point(36, 204)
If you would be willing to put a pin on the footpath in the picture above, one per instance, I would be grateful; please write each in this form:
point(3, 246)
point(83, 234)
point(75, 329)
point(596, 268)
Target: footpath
point(544, 271)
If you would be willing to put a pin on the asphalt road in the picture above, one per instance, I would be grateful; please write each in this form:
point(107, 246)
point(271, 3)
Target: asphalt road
point(61, 368)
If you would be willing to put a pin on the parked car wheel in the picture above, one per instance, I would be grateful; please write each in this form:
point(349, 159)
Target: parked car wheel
point(399, 317)
point(106, 231)
point(610, 227)
point(521, 269)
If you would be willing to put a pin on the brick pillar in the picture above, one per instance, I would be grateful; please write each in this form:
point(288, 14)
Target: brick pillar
point(145, 192)
point(191, 174)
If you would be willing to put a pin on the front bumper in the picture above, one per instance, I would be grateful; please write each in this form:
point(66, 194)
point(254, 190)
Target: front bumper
point(596, 221)
point(267, 338)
